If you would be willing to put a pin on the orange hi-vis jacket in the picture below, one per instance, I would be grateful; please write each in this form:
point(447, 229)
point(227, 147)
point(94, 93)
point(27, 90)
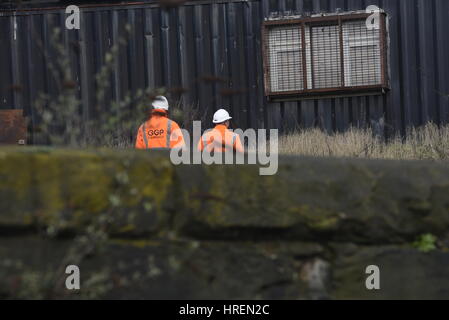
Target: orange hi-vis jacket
point(159, 132)
point(220, 139)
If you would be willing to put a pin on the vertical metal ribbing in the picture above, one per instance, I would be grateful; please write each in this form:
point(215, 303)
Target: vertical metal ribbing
point(304, 56)
point(342, 59)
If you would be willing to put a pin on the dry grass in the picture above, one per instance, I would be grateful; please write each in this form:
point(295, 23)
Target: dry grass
point(427, 142)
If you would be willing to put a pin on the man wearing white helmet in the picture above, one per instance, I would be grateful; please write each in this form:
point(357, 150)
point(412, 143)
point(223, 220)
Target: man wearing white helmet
point(220, 139)
point(159, 131)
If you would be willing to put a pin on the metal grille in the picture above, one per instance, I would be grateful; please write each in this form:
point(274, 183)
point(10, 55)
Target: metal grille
point(336, 53)
point(285, 57)
point(362, 54)
point(325, 51)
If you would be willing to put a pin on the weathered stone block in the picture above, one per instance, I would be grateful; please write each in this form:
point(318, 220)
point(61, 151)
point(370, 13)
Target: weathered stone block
point(140, 227)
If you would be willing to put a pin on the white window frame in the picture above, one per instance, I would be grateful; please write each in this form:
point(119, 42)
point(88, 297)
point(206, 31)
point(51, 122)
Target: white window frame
point(275, 49)
point(376, 44)
point(350, 42)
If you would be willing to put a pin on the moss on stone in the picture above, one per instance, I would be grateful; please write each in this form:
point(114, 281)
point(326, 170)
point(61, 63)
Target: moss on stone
point(71, 187)
point(351, 200)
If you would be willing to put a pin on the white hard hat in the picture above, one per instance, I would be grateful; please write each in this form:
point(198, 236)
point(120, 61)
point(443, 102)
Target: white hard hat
point(160, 102)
point(221, 116)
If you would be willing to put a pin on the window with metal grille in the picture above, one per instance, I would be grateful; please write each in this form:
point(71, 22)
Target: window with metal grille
point(334, 54)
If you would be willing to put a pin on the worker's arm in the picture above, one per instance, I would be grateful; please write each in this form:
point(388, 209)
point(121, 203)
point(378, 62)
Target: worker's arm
point(140, 144)
point(206, 139)
point(176, 137)
point(201, 145)
point(238, 144)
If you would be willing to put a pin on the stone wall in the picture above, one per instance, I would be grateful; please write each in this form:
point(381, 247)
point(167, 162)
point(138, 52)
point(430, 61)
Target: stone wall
point(139, 227)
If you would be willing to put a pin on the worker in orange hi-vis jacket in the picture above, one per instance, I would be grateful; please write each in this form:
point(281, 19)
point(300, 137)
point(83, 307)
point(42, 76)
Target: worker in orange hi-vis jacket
point(159, 131)
point(220, 138)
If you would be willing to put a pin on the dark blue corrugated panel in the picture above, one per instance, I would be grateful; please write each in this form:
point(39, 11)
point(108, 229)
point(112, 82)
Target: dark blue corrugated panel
point(209, 53)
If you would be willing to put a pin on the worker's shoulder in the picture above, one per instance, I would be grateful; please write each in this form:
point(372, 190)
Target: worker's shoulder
point(211, 131)
point(231, 132)
point(174, 124)
point(147, 123)
point(143, 124)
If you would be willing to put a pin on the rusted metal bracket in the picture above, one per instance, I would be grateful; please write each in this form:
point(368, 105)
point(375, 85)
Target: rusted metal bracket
point(13, 127)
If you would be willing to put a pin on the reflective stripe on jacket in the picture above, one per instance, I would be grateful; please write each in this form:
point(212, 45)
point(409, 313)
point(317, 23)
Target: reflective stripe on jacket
point(220, 139)
point(159, 132)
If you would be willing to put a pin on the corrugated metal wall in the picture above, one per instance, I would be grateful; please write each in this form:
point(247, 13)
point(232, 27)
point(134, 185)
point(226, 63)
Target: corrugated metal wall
point(213, 50)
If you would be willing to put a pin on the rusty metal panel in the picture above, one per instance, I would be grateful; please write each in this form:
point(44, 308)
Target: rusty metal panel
point(13, 127)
